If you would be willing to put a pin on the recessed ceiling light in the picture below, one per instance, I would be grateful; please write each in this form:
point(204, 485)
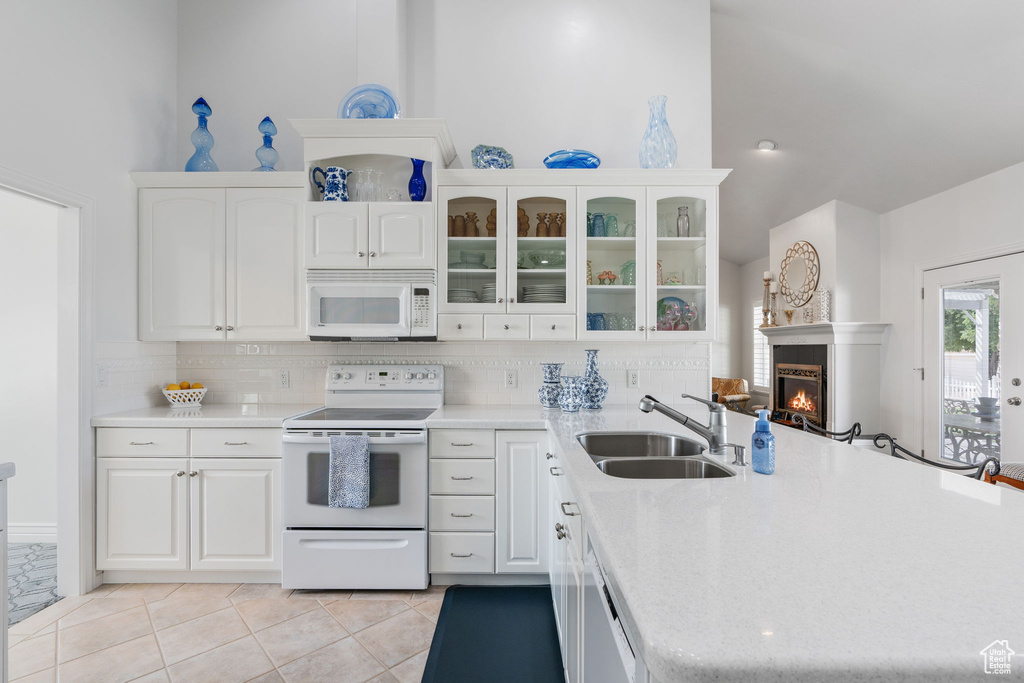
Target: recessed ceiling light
point(767, 146)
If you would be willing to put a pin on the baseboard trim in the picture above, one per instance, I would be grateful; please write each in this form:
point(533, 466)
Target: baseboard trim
point(160, 576)
point(488, 579)
point(32, 533)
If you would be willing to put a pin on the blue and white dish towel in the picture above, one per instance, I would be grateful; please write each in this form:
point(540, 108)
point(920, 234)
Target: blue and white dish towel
point(349, 472)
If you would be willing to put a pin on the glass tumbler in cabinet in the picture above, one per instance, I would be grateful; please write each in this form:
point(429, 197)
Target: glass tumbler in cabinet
point(542, 249)
point(472, 259)
point(677, 287)
point(612, 267)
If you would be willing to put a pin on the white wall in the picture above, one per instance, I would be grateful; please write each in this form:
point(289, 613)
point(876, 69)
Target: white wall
point(981, 215)
point(727, 351)
point(89, 90)
point(536, 76)
point(28, 362)
point(751, 277)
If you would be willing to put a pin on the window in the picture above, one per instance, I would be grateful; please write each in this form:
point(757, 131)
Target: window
point(762, 353)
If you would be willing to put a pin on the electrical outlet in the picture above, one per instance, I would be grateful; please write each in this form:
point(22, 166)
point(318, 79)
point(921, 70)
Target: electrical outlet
point(632, 378)
point(511, 379)
point(101, 376)
point(283, 381)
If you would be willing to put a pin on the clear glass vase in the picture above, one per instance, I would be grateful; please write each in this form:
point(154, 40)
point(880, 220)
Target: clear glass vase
point(658, 148)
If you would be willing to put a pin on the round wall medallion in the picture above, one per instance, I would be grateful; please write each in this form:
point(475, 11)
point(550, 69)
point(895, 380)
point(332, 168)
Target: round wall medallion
point(799, 276)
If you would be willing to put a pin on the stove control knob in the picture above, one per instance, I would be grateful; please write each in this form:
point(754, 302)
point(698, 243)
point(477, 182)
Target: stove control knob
point(336, 376)
point(347, 375)
point(408, 375)
point(431, 375)
point(420, 375)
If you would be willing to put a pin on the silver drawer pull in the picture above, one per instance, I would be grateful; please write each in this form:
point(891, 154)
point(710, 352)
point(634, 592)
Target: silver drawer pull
point(458, 555)
point(141, 443)
point(564, 512)
point(461, 445)
point(455, 515)
point(236, 443)
point(559, 473)
point(461, 478)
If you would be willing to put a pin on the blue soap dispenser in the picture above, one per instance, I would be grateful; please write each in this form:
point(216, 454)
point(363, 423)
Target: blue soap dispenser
point(762, 443)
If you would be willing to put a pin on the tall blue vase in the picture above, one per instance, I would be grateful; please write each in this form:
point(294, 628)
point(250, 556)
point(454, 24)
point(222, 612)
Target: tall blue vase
point(267, 155)
point(202, 140)
point(658, 148)
point(417, 183)
point(596, 386)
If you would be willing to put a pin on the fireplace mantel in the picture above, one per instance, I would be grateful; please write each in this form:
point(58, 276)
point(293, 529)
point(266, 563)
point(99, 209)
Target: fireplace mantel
point(828, 333)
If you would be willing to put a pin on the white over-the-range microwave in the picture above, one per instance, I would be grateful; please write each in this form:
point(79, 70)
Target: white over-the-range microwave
point(371, 305)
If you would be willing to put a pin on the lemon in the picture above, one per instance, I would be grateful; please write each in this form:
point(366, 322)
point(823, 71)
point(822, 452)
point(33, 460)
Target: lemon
point(173, 387)
point(197, 385)
point(184, 385)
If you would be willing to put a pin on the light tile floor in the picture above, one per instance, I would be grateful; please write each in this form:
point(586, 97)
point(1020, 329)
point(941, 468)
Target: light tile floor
point(227, 632)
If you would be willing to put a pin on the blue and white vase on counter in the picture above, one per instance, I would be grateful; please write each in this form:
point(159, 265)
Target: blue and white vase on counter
point(596, 386)
point(551, 390)
point(573, 388)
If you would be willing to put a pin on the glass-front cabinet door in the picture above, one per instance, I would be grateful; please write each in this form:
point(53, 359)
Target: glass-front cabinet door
point(541, 249)
point(472, 263)
point(682, 258)
point(612, 267)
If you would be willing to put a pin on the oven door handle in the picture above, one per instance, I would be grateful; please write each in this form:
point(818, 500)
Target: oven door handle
point(374, 440)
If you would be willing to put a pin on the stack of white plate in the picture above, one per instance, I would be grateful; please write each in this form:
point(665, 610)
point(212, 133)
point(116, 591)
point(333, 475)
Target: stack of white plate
point(488, 293)
point(463, 296)
point(543, 294)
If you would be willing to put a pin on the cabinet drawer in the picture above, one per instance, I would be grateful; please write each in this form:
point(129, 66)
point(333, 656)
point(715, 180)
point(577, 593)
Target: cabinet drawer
point(462, 477)
point(462, 553)
point(552, 327)
point(461, 443)
point(129, 441)
point(452, 327)
point(236, 443)
point(506, 327)
point(461, 513)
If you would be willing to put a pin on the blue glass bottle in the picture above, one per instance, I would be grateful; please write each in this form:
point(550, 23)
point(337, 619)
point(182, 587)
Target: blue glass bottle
point(417, 183)
point(202, 140)
point(267, 155)
point(762, 445)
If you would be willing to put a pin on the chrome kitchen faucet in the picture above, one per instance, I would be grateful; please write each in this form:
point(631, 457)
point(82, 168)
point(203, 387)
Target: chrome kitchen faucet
point(714, 433)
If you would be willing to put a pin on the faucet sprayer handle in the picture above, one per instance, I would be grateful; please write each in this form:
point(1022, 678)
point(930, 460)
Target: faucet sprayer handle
point(712, 406)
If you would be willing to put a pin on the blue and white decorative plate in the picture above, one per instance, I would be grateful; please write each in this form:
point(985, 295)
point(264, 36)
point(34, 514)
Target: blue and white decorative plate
point(488, 156)
point(572, 158)
point(369, 101)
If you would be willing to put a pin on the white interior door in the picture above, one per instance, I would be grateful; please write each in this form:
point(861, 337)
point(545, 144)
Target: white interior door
point(973, 330)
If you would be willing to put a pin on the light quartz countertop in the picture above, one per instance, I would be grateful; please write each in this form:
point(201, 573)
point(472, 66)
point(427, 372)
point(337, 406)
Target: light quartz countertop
point(6, 470)
point(213, 415)
point(846, 564)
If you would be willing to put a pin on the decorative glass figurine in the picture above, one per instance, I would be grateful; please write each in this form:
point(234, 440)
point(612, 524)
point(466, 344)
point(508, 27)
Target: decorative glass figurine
point(417, 183)
point(202, 140)
point(658, 148)
point(267, 155)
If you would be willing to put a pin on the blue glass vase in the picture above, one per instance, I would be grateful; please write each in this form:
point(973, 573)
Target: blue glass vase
point(658, 148)
point(267, 155)
point(202, 140)
point(596, 386)
point(417, 183)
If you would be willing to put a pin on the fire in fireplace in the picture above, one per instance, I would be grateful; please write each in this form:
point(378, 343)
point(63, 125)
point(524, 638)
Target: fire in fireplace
point(802, 403)
point(798, 390)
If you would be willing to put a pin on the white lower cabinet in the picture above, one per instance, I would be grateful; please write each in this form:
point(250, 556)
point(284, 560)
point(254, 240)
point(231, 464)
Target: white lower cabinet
point(487, 498)
point(565, 532)
point(187, 513)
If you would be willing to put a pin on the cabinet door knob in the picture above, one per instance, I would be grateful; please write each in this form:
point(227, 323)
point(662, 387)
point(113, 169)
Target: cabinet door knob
point(549, 456)
point(193, 473)
point(552, 327)
point(506, 327)
point(179, 474)
point(459, 326)
point(360, 254)
point(500, 300)
point(230, 328)
point(1013, 401)
point(640, 329)
point(372, 254)
point(512, 301)
point(218, 328)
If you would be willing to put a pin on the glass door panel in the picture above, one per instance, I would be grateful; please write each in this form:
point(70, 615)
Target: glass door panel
point(612, 267)
point(472, 262)
point(542, 258)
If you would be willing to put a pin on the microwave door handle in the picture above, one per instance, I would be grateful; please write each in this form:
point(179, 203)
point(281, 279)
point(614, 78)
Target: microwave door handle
point(374, 440)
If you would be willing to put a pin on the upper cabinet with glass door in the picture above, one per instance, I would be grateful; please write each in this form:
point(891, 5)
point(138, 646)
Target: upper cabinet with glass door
point(472, 260)
point(542, 249)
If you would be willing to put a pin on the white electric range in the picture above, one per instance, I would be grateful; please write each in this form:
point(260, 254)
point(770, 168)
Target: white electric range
point(385, 545)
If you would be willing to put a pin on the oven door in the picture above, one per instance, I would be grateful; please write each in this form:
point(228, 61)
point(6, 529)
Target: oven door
point(354, 309)
point(398, 481)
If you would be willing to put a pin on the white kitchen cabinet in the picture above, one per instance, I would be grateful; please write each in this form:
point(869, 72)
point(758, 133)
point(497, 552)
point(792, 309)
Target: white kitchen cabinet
point(566, 569)
point(187, 513)
point(220, 263)
point(361, 235)
point(521, 502)
point(142, 513)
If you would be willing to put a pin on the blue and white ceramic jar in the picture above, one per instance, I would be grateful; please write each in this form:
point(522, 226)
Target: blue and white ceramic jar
point(596, 386)
point(549, 393)
point(552, 372)
point(573, 388)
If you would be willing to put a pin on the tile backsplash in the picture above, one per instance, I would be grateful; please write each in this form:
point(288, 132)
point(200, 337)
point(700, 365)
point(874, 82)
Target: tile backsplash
point(474, 372)
point(131, 374)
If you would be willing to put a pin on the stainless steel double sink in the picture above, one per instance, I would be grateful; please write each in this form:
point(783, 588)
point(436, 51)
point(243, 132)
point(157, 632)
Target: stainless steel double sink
point(650, 455)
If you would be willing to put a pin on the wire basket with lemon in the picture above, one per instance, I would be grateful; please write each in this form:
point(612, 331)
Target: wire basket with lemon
point(184, 394)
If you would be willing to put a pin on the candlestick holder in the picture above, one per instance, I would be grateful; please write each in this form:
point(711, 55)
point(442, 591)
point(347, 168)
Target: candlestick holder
point(773, 311)
point(766, 305)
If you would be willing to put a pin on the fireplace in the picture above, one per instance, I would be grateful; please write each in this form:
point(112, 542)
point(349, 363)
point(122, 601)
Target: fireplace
point(799, 383)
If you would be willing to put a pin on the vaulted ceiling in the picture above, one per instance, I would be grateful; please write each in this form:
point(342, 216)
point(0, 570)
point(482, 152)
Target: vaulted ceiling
point(877, 103)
